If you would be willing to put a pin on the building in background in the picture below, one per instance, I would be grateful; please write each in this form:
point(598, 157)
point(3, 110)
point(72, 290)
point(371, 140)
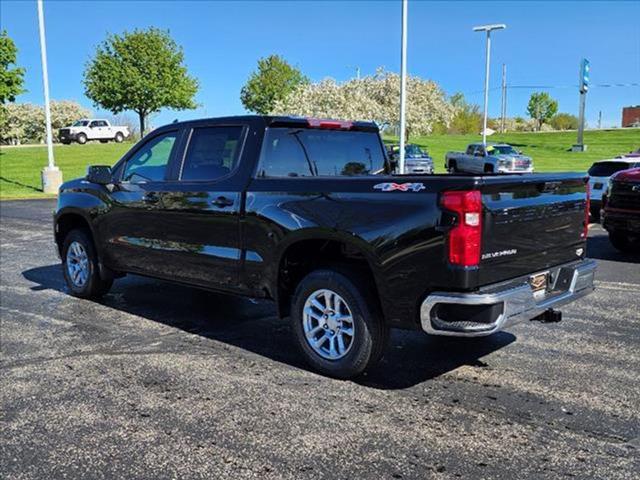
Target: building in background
point(631, 116)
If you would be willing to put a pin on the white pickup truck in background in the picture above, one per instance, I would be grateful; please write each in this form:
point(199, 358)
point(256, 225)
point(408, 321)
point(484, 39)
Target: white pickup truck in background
point(92, 129)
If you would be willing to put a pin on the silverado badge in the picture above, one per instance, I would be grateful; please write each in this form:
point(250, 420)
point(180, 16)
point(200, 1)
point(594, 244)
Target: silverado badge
point(402, 187)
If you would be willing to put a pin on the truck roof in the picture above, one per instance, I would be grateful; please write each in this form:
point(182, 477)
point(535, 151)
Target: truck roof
point(285, 121)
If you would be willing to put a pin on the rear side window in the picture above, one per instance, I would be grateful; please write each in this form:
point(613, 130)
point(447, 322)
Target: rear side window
point(212, 153)
point(606, 169)
point(299, 152)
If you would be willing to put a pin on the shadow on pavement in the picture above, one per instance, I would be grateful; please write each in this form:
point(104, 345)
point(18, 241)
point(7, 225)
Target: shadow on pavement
point(599, 247)
point(411, 357)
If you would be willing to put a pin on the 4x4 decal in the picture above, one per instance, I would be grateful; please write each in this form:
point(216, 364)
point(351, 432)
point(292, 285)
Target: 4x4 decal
point(402, 187)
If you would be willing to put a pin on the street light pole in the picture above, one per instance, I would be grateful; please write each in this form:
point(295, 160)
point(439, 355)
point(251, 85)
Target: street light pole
point(403, 85)
point(487, 29)
point(51, 175)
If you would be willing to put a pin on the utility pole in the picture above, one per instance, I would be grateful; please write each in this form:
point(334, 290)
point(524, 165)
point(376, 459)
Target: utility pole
point(403, 85)
point(51, 175)
point(487, 29)
point(503, 108)
point(584, 87)
point(599, 119)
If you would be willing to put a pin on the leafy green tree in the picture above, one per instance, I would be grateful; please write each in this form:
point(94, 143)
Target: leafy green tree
point(141, 71)
point(11, 78)
point(541, 107)
point(271, 82)
point(467, 117)
point(564, 121)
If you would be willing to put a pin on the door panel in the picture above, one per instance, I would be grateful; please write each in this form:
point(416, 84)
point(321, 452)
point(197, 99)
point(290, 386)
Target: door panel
point(201, 209)
point(133, 229)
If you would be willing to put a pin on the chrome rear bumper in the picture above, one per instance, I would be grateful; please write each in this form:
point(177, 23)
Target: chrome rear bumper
point(498, 306)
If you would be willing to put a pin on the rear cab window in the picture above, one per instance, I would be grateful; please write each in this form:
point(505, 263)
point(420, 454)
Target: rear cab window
point(305, 152)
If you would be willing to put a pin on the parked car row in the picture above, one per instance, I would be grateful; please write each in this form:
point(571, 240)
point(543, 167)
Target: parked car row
point(477, 158)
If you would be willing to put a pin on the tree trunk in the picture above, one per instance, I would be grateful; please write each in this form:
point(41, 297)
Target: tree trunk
point(141, 115)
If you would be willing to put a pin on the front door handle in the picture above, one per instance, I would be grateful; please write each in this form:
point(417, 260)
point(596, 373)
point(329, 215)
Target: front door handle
point(222, 202)
point(151, 197)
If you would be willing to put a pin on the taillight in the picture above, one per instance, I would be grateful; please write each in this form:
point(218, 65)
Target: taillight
point(465, 236)
point(585, 231)
point(329, 124)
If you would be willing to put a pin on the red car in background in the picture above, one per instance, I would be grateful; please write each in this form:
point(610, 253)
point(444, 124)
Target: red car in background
point(621, 210)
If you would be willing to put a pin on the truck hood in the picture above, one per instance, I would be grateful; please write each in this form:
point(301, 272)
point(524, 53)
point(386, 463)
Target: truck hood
point(632, 175)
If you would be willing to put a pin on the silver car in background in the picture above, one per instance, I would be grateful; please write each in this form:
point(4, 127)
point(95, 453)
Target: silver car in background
point(416, 160)
point(490, 158)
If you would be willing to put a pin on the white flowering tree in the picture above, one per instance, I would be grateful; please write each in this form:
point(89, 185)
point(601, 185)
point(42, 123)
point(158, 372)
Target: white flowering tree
point(375, 98)
point(24, 122)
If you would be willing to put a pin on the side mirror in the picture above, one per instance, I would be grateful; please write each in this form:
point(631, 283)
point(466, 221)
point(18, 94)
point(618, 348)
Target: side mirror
point(99, 174)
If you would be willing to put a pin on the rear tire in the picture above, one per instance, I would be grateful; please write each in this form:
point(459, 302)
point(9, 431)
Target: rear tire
point(81, 138)
point(453, 168)
point(340, 354)
point(119, 137)
point(80, 266)
point(488, 169)
point(624, 242)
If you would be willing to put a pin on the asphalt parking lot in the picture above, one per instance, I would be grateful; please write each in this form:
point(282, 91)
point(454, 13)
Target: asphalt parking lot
point(164, 381)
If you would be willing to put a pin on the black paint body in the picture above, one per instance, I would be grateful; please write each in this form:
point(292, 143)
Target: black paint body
point(181, 231)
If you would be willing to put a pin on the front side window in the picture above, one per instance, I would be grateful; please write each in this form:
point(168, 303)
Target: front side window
point(299, 152)
point(149, 163)
point(212, 153)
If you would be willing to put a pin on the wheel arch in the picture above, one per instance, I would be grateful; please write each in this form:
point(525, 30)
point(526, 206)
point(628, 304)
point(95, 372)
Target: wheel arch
point(305, 253)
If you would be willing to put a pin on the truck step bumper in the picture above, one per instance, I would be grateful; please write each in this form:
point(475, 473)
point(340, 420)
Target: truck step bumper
point(498, 306)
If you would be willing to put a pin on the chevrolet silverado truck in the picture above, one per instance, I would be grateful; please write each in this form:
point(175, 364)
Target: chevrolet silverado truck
point(621, 210)
point(491, 158)
point(85, 130)
point(305, 212)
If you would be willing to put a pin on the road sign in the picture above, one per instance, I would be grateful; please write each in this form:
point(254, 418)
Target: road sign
point(584, 75)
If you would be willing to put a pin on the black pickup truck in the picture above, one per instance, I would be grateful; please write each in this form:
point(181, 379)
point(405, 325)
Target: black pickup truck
point(305, 212)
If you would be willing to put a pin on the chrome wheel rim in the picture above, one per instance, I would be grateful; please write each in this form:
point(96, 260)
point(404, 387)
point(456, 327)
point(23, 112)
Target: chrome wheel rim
point(328, 324)
point(77, 264)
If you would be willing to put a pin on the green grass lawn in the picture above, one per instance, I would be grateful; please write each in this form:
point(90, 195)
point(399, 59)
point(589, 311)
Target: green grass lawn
point(20, 167)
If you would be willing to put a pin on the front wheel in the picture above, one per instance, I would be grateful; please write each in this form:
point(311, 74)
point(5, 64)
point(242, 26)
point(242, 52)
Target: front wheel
point(81, 138)
point(452, 167)
point(80, 266)
point(337, 323)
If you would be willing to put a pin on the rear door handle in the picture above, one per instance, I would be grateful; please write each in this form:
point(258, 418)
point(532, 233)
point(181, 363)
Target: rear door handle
point(222, 202)
point(151, 197)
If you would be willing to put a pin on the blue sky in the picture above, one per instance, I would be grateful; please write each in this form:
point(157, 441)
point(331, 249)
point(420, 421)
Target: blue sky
point(542, 45)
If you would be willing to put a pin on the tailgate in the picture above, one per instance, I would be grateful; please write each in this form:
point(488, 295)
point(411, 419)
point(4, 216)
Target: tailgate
point(531, 223)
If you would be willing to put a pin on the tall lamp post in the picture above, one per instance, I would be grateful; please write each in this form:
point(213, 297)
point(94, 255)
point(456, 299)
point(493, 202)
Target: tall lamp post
point(488, 29)
point(403, 85)
point(51, 175)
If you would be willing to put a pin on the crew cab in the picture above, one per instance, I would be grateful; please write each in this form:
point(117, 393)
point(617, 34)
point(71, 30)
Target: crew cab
point(621, 210)
point(88, 129)
point(490, 158)
point(306, 213)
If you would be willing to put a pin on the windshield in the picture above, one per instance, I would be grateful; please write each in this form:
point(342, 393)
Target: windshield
point(81, 123)
point(502, 150)
point(606, 169)
point(414, 151)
